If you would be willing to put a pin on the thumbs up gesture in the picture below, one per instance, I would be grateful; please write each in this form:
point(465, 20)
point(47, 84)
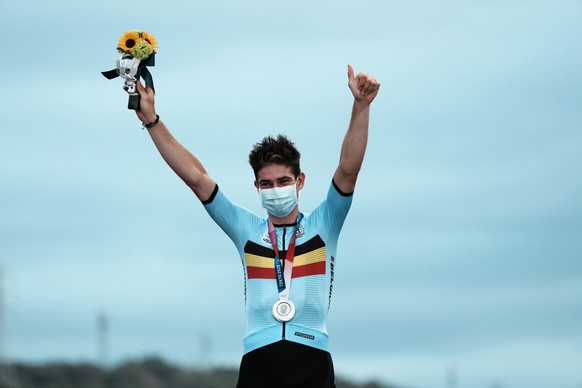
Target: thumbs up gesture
point(364, 86)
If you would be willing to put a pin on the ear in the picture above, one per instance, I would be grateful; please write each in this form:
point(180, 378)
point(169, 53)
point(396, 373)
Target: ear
point(300, 181)
point(257, 185)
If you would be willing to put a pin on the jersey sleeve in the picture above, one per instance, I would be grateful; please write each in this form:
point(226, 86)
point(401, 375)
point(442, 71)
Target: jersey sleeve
point(333, 211)
point(233, 219)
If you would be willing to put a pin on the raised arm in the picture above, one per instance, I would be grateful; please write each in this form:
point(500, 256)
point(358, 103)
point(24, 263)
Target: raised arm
point(365, 88)
point(184, 164)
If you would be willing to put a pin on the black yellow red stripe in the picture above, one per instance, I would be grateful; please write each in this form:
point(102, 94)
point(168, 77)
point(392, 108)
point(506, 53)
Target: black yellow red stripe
point(310, 259)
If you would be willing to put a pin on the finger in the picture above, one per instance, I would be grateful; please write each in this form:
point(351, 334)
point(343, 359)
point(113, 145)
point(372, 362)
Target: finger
point(363, 83)
point(366, 83)
point(149, 89)
point(140, 88)
point(361, 77)
point(375, 85)
point(350, 72)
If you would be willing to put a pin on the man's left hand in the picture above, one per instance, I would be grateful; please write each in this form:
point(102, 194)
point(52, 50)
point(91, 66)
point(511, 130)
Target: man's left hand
point(364, 86)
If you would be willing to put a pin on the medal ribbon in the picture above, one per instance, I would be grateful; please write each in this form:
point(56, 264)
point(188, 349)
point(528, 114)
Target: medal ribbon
point(283, 276)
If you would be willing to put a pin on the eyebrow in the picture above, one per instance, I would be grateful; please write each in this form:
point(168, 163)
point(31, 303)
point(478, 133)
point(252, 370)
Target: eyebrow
point(279, 179)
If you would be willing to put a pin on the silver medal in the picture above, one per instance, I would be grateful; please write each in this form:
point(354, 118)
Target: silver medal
point(283, 310)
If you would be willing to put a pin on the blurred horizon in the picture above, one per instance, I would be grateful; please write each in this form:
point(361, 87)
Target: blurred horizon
point(146, 372)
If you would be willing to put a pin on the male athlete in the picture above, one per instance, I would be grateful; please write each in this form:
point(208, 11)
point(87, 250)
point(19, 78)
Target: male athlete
point(288, 257)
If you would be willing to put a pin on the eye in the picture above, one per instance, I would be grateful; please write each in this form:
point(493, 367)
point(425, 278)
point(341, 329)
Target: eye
point(285, 181)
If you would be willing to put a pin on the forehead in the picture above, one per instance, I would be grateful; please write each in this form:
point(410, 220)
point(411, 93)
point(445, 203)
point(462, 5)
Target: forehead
point(272, 172)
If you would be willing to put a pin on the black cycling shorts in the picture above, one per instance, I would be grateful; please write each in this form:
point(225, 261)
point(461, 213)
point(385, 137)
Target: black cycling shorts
point(286, 364)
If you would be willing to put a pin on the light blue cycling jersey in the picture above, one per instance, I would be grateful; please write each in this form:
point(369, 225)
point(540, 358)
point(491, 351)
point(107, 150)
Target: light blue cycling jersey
point(313, 267)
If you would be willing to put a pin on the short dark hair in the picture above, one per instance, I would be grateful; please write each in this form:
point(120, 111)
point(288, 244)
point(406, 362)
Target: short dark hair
point(279, 150)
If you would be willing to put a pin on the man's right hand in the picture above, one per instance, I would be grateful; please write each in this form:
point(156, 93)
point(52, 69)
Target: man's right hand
point(147, 110)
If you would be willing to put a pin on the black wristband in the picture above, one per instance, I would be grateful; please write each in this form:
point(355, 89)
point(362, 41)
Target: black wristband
point(152, 124)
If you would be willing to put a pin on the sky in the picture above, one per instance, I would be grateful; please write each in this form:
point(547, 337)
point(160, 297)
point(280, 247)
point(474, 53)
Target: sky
point(460, 262)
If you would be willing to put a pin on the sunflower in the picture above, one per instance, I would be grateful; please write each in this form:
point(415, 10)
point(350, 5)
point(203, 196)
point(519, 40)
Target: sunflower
point(129, 40)
point(150, 39)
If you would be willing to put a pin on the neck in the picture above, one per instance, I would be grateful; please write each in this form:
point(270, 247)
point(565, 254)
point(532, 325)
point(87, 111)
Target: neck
point(289, 219)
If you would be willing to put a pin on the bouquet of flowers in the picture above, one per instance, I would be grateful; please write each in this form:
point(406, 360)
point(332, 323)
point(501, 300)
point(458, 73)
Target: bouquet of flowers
point(137, 51)
point(139, 44)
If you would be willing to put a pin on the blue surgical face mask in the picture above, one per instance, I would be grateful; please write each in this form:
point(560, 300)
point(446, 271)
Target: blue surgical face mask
point(279, 201)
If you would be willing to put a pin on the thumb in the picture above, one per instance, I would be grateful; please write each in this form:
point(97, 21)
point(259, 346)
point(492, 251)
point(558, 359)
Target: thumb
point(140, 88)
point(350, 72)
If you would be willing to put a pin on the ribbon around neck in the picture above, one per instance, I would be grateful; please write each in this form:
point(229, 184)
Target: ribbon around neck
point(283, 275)
point(142, 71)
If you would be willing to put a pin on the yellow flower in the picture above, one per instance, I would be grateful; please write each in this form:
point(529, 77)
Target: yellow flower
point(129, 40)
point(150, 39)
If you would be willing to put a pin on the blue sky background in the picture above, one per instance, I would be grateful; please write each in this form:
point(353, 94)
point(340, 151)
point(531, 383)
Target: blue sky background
point(460, 259)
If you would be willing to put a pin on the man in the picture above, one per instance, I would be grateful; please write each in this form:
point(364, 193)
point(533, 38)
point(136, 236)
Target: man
point(288, 257)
